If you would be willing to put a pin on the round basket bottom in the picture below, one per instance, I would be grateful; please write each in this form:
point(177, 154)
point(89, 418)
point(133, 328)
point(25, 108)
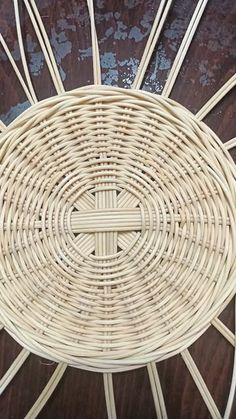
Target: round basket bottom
point(117, 228)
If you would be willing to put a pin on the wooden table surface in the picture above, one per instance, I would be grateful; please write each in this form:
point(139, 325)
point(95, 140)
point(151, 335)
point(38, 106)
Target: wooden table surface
point(123, 27)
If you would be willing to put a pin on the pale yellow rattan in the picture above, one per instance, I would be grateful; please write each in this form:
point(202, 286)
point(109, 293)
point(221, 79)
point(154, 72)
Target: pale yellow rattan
point(99, 231)
point(118, 229)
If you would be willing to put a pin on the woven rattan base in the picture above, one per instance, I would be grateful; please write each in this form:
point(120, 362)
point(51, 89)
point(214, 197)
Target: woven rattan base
point(118, 236)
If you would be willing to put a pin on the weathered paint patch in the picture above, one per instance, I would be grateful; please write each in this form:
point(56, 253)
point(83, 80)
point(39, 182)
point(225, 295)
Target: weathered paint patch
point(132, 3)
point(110, 77)
point(129, 70)
point(36, 57)
point(79, 14)
point(175, 32)
point(156, 86)
point(109, 64)
point(36, 63)
point(108, 60)
point(15, 53)
point(164, 63)
point(108, 33)
point(100, 4)
point(84, 53)
point(63, 24)
point(61, 47)
point(218, 38)
point(207, 72)
point(14, 112)
point(121, 32)
point(136, 34)
point(101, 17)
point(147, 19)
point(161, 63)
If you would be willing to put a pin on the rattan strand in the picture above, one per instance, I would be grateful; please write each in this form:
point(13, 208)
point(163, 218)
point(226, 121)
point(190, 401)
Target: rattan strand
point(158, 398)
point(217, 97)
point(201, 385)
point(183, 49)
point(118, 231)
point(44, 44)
point(16, 69)
point(157, 27)
point(220, 326)
point(47, 391)
point(109, 395)
point(231, 396)
point(22, 52)
point(13, 369)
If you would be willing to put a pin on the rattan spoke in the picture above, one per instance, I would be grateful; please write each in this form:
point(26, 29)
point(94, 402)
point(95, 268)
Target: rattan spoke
point(157, 391)
point(109, 396)
point(47, 392)
point(201, 385)
point(183, 49)
point(44, 44)
point(220, 326)
point(95, 50)
point(230, 144)
point(157, 26)
point(16, 70)
point(216, 98)
point(22, 52)
point(13, 370)
point(233, 378)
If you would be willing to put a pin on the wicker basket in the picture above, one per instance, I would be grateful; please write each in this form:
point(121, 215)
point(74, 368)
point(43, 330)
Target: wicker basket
point(117, 220)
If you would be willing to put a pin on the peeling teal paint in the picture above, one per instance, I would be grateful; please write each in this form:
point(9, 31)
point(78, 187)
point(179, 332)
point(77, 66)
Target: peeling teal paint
point(110, 77)
point(84, 53)
point(207, 72)
point(61, 47)
point(14, 112)
point(63, 24)
point(121, 32)
point(132, 3)
point(136, 34)
point(108, 60)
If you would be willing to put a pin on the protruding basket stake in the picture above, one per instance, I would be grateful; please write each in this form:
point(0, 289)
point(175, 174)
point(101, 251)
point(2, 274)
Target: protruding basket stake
point(44, 44)
point(201, 385)
point(230, 144)
point(183, 49)
point(157, 391)
point(13, 370)
point(47, 392)
point(233, 379)
point(216, 98)
point(22, 52)
point(109, 396)
point(95, 49)
point(151, 42)
point(15, 68)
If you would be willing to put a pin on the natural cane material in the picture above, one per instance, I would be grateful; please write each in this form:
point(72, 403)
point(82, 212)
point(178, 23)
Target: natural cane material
point(116, 223)
point(118, 230)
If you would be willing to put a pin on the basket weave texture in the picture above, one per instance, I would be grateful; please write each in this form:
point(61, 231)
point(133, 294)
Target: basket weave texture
point(118, 237)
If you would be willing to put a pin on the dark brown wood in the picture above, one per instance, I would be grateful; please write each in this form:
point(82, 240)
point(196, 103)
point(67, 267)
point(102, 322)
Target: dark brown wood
point(123, 27)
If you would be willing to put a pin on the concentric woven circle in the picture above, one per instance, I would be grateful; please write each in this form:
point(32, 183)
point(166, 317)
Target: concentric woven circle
point(117, 228)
